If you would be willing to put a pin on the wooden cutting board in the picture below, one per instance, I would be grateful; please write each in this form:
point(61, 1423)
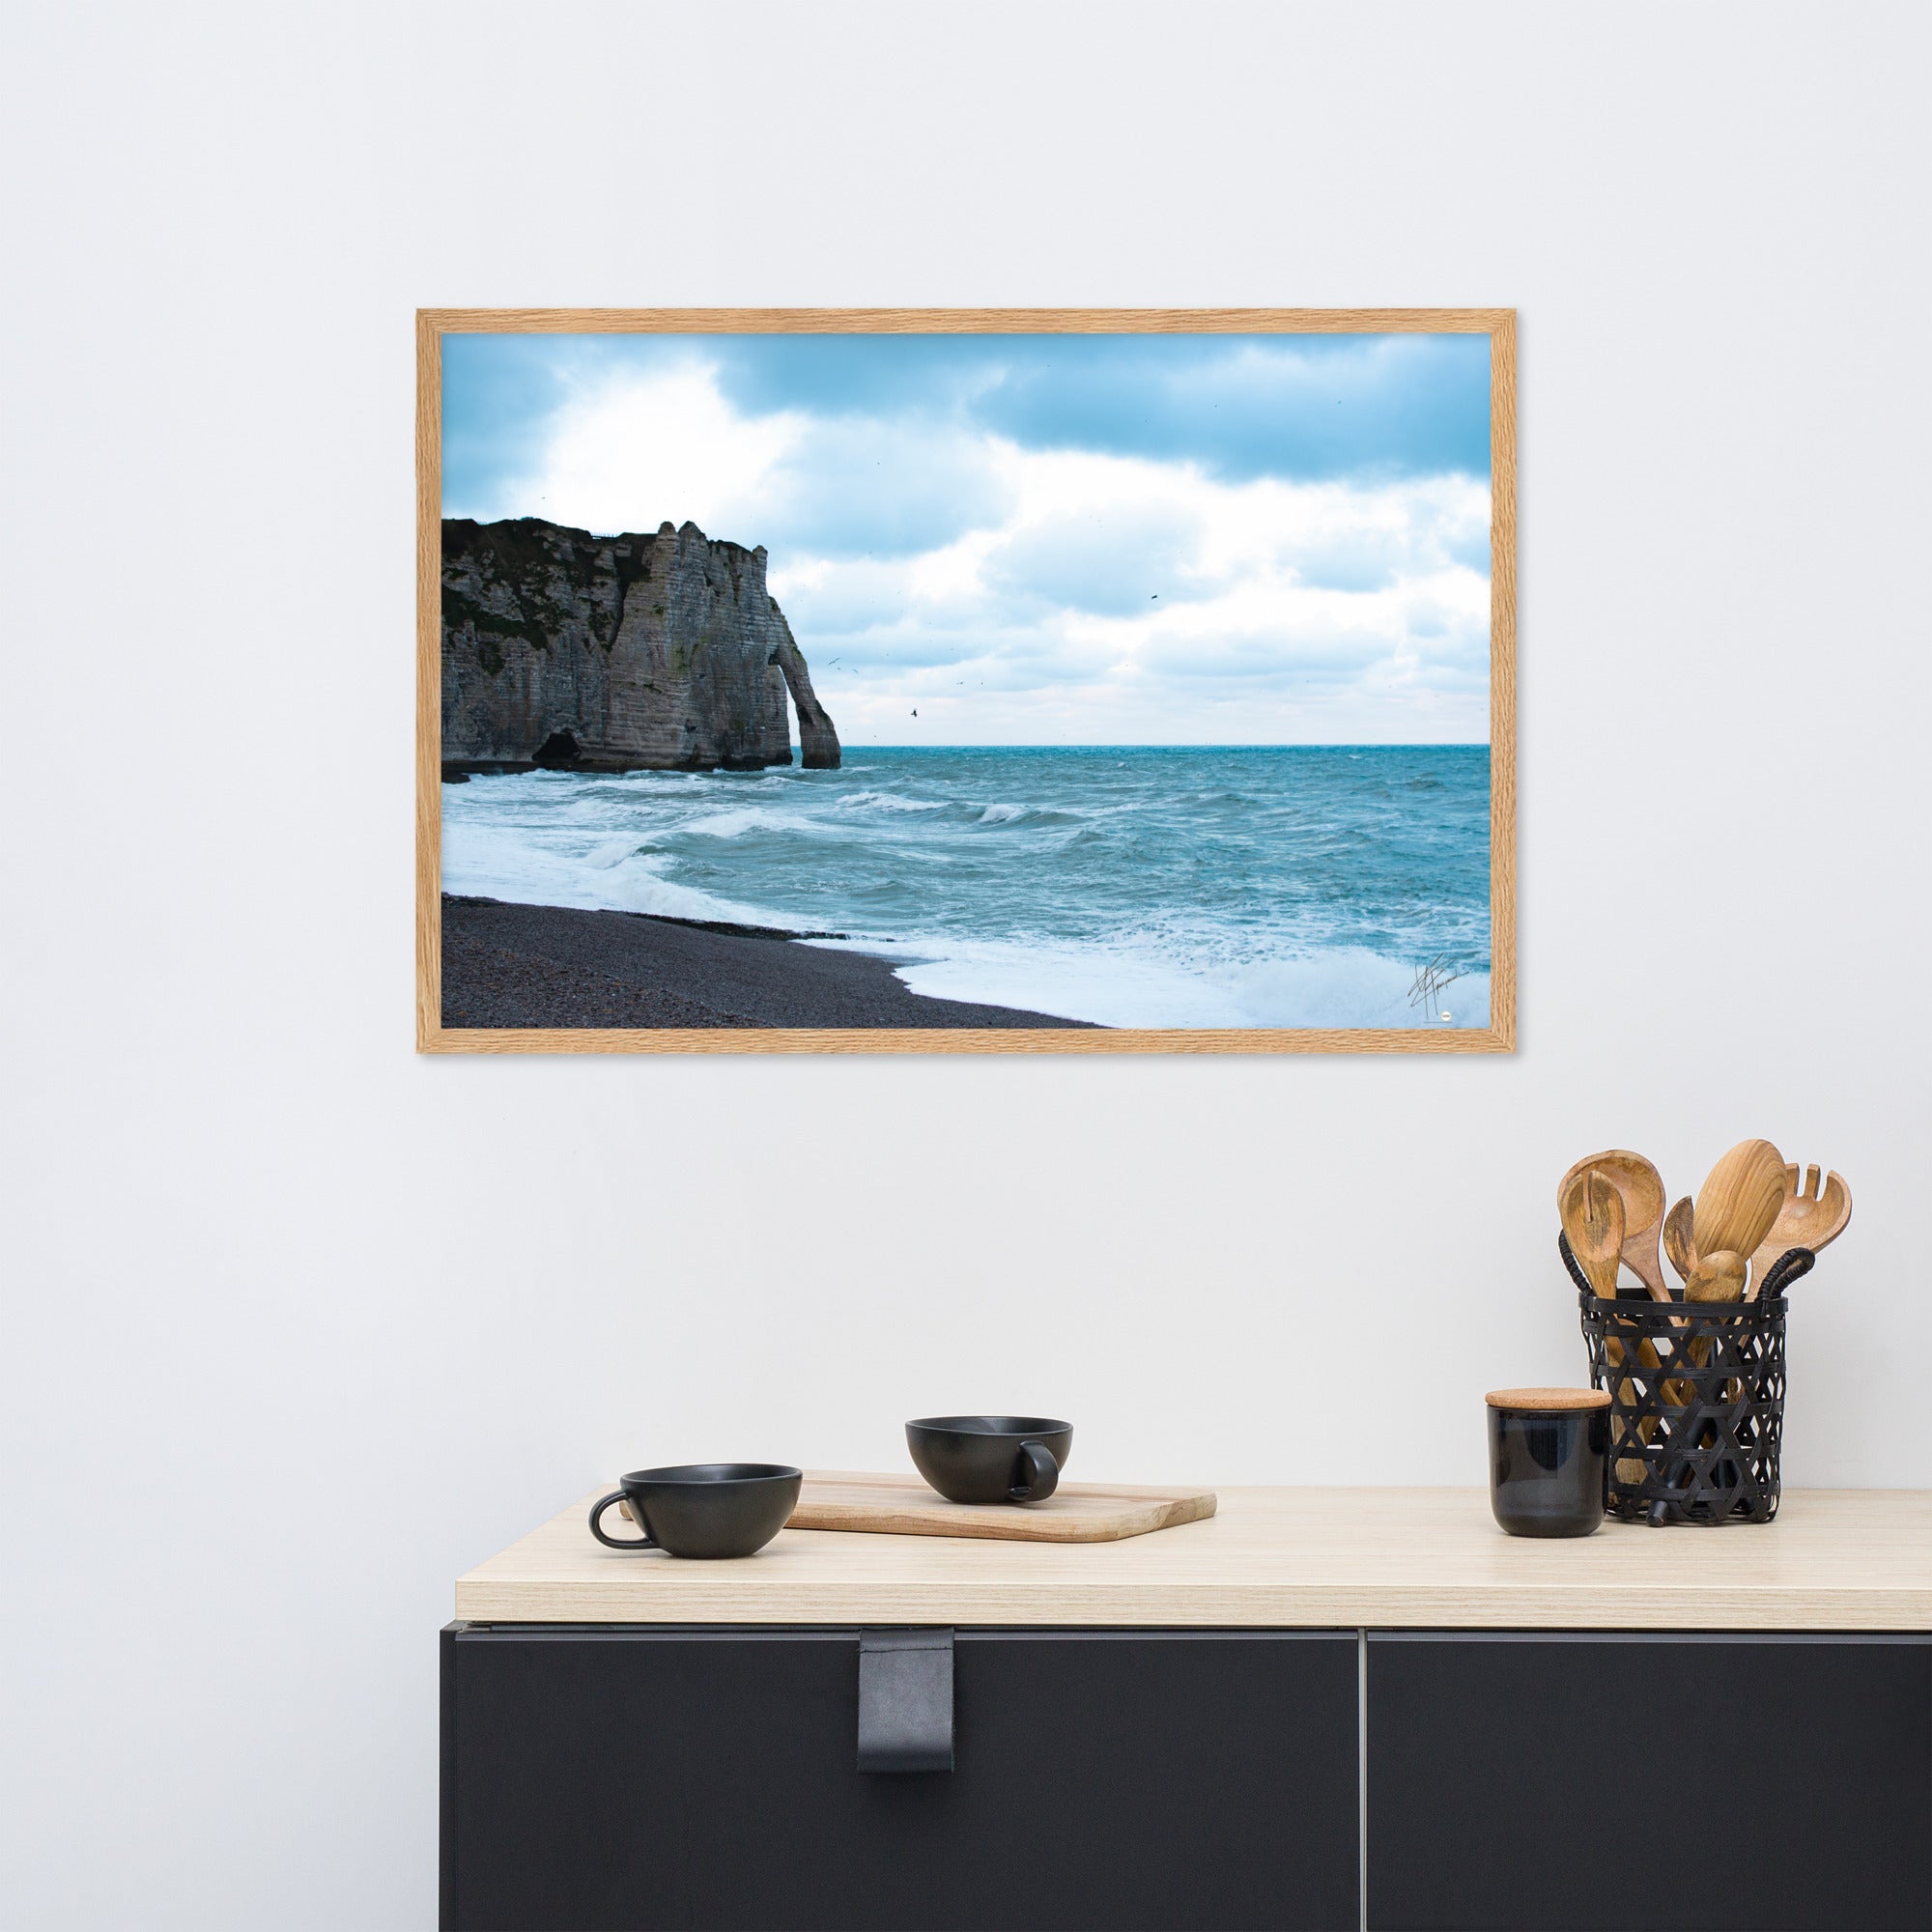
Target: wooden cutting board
point(1076, 1513)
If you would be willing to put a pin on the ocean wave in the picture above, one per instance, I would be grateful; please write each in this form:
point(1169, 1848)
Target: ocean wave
point(733, 824)
point(884, 801)
point(485, 864)
point(612, 852)
point(1001, 814)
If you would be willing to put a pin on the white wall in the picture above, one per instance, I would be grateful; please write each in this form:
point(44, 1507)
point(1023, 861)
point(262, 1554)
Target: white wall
point(299, 1326)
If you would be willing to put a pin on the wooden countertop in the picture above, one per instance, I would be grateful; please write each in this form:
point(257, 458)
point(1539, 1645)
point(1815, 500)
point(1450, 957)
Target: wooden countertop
point(1834, 1559)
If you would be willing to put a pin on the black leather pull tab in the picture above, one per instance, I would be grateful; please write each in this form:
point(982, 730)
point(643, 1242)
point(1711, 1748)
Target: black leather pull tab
point(905, 1700)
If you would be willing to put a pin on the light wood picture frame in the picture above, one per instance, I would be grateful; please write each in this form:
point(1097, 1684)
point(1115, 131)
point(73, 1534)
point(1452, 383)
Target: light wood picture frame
point(435, 1036)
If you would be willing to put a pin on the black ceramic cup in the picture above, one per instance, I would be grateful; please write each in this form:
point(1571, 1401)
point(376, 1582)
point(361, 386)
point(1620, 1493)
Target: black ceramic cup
point(1548, 1459)
point(702, 1509)
point(991, 1459)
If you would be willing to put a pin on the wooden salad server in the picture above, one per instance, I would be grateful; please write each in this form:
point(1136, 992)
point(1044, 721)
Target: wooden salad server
point(1739, 1200)
point(1642, 1187)
point(1809, 1216)
point(1592, 1211)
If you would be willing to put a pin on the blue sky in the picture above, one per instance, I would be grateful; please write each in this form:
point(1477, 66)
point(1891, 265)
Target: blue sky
point(1042, 539)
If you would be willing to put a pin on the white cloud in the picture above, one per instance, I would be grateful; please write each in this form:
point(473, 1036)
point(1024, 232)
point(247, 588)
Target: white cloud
point(1016, 595)
point(629, 452)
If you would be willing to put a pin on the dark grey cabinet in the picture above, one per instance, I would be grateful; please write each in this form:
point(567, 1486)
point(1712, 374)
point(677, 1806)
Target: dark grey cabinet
point(1581, 1782)
point(609, 1778)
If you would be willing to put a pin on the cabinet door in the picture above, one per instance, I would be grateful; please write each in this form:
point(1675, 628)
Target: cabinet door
point(1571, 1782)
point(604, 1778)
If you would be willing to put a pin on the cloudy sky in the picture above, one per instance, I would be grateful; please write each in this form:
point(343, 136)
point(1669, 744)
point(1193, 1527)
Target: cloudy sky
point(1042, 539)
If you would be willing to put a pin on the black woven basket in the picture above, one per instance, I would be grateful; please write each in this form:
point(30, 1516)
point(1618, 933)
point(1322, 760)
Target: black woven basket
point(1696, 1400)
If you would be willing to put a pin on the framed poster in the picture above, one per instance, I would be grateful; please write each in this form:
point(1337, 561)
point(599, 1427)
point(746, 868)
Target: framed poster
point(846, 680)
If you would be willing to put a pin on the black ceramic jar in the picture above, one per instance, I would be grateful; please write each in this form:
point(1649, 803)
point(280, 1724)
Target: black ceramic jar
point(1548, 1459)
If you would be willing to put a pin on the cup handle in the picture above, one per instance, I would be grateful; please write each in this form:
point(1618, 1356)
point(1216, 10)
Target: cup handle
point(1041, 1475)
point(597, 1510)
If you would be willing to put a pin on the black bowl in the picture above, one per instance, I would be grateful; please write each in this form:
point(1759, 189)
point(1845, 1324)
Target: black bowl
point(991, 1459)
point(704, 1508)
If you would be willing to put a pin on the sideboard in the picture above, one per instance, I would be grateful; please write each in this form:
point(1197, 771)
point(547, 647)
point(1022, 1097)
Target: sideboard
point(1323, 1709)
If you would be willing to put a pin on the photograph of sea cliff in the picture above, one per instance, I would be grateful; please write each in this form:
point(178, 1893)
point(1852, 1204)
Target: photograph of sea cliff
point(929, 681)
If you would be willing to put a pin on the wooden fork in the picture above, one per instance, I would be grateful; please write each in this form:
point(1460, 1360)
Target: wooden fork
point(1809, 1216)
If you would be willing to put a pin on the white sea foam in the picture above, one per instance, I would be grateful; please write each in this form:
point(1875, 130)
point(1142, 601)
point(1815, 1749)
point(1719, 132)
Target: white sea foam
point(1349, 986)
point(1177, 986)
point(1001, 814)
point(1071, 983)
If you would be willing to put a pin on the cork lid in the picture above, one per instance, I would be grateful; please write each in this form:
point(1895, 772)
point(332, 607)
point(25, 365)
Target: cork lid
point(1549, 1401)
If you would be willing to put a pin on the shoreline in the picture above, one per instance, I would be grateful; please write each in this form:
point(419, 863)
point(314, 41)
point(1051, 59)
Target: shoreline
point(511, 965)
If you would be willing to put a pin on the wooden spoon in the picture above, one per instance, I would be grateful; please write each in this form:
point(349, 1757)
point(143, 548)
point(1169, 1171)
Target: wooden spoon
point(1739, 1200)
point(1808, 1217)
point(1642, 1187)
point(1717, 1277)
point(1593, 1218)
point(1679, 1240)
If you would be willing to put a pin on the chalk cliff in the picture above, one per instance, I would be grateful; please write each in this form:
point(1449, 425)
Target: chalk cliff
point(664, 652)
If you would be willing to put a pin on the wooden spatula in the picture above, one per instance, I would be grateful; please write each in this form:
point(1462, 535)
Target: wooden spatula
point(1641, 1189)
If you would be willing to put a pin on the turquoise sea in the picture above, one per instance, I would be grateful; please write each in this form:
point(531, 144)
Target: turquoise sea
point(1160, 887)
